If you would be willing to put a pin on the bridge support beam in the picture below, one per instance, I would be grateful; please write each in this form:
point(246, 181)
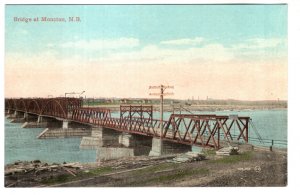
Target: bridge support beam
point(165, 147)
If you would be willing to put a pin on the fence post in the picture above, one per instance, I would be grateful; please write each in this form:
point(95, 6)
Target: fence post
point(271, 147)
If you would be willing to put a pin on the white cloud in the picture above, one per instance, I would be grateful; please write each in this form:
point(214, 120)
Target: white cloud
point(100, 44)
point(212, 51)
point(195, 41)
point(153, 53)
point(259, 43)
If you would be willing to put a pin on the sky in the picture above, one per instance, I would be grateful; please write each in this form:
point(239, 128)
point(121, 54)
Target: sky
point(216, 51)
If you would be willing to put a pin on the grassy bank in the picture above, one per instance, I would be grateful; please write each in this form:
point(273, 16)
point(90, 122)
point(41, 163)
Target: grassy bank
point(160, 174)
point(81, 175)
point(251, 168)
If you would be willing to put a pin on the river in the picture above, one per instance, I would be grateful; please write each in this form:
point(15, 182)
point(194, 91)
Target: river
point(22, 144)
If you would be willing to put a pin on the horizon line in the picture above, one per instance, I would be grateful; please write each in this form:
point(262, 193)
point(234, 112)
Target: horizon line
point(140, 98)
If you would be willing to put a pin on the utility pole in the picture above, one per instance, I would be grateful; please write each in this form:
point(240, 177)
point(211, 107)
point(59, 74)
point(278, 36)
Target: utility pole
point(161, 94)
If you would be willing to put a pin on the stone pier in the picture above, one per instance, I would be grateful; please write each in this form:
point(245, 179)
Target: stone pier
point(129, 145)
point(34, 125)
point(18, 114)
point(63, 133)
point(40, 119)
point(100, 137)
point(65, 124)
point(140, 143)
point(25, 115)
point(38, 122)
point(167, 147)
point(63, 129)
point(16, 117)
point(112, 144)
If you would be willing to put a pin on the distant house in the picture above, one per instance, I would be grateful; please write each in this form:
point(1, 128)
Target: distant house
point(124, 101)
point(146, 101)
point(109, 101)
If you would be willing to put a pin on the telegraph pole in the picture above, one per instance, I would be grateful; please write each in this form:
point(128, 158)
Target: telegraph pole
point(162, 93)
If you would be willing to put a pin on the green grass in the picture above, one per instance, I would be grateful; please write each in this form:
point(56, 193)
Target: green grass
point(234, 158)
point(209, 152)
point(98, 171)
point(57, 179)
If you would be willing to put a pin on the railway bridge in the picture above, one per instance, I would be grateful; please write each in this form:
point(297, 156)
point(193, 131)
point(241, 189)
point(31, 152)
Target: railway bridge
point(184, 129)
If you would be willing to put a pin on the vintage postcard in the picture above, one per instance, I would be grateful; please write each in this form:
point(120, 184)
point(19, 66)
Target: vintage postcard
point(146, 95)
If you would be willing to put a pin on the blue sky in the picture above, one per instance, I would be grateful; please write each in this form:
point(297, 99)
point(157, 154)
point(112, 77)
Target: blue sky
point(197, 48)
point(150, 24)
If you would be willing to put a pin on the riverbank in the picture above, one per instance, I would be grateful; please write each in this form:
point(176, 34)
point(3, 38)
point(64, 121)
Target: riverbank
point(249, 168)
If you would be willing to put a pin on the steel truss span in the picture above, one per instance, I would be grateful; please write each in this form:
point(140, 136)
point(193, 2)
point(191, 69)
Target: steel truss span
point(189, 129)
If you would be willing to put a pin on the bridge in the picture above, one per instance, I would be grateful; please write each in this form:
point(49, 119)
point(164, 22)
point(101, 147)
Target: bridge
point(188, 129)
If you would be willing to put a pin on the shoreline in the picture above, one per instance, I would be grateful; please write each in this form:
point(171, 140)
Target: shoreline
point(199, 108)
point(249, 168)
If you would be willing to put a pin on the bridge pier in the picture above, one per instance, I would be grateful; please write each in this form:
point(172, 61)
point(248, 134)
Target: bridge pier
point(9, 114)
point(125, 139)
point(61, 128)
point(17, 114)
point(165, 147)
point(34, 121)
point(94, 141)
point(44, 120)
point(129, 145)
point(141, 144)
point(16, 117)
point(40, 119)
point(25, 115)
point(100, 137)
point(65, 124)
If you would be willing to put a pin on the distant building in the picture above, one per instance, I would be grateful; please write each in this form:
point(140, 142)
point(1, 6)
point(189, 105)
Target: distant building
point(109, 101)
point(146, 101)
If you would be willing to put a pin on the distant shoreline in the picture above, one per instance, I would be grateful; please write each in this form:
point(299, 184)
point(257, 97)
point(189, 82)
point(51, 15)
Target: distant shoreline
point(209, 108)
